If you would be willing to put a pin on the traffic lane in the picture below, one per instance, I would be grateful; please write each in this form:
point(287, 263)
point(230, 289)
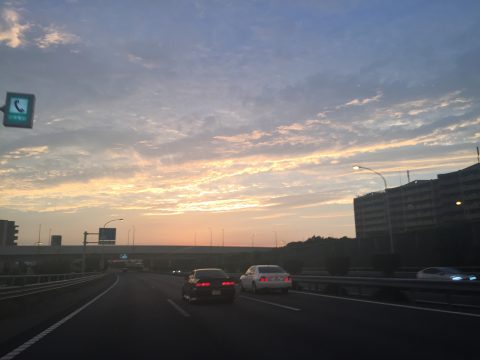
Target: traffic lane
point(251, 330)
point(368, 326)
point(131, 321)
point(113, 326)
point(264, 327)
point(411, 330)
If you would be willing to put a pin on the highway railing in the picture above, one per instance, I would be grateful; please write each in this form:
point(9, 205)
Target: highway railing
point(26, 285)
point(411, 288)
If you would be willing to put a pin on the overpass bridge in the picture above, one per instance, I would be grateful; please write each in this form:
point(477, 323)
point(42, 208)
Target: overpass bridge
point(153, 256)
point(116, 250)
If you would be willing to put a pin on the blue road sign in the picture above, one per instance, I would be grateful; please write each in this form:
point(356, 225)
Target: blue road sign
point(106, 236)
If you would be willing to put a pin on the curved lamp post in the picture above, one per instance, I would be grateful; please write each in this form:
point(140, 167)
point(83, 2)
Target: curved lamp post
point(108, 222)
point(387, 204)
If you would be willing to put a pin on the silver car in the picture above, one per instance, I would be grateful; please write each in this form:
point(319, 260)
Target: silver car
point(265, 277)
point(444, 273)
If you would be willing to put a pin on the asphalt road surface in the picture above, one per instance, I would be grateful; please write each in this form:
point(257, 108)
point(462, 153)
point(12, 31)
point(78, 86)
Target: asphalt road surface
point(142, 316)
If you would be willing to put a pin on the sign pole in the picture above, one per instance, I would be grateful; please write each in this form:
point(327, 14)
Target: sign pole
point(84, 251)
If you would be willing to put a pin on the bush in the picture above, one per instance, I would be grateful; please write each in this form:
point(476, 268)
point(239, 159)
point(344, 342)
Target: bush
point(386, 263)
point(293, 266)
point(338, 266)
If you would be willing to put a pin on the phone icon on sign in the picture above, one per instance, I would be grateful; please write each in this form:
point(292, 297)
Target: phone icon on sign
point(17, 105)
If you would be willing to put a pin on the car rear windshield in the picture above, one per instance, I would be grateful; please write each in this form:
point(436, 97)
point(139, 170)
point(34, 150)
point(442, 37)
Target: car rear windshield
point(212, 274)
point(270, 270)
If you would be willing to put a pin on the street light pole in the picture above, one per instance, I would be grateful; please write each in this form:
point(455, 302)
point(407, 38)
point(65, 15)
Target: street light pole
point(387, 204)
point(108, 222)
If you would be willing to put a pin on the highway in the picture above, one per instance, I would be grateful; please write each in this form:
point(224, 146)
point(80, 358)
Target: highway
point(142, 316)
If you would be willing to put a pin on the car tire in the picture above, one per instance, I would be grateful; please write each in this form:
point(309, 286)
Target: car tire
point(285, 291)
point(254, 288)
point(242, 289)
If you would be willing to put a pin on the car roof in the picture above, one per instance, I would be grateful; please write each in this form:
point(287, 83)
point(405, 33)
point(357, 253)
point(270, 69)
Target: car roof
point(443, 268)
point(268, 265)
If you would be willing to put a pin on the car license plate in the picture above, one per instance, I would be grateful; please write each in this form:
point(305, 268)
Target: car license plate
point(216, 292)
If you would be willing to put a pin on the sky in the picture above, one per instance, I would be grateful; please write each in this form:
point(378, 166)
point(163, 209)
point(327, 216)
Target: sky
point(233, 121)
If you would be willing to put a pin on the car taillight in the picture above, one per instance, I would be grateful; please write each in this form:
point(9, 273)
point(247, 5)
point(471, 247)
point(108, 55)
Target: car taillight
point(202, 284)
point(287, 279)
point(263, 279)
point(228, 283)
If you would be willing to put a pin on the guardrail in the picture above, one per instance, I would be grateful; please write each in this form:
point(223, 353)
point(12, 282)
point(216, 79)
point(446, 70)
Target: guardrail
point(61, 281)
point(20, 280)
point(339, 285)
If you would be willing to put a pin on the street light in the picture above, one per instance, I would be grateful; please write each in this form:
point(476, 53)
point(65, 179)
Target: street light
point(108, 222)
point(387, 204)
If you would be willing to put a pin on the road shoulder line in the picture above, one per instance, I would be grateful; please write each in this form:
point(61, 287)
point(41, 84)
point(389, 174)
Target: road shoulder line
point(388, 304)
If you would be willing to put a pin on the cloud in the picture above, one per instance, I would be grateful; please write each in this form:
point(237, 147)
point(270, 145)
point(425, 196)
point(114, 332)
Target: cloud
point(26, 152)
point(148, 64)
point(360, 102)
point(242, 138)
point(11, 30)
point(55, 36)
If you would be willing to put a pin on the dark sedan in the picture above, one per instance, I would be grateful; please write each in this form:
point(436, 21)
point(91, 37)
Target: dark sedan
point(208, 284)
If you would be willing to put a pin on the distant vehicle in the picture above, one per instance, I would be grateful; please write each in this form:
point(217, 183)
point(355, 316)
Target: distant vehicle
point(444, 273)
point(266, 277)
point(177, 272)
point(208, 284)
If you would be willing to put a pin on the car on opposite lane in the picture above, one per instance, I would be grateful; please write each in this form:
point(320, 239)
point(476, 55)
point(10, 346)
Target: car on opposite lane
point(208, 284)
point(266, 277)
point(444, 273)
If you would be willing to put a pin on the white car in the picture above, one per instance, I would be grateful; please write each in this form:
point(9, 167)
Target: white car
point(264, 277)
point(444, 273)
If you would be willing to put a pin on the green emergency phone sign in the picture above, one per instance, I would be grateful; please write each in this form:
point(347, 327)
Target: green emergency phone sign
point(18, 110)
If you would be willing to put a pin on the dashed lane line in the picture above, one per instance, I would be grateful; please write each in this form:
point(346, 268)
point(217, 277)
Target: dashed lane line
point(178, 308)
point(270, 303)
point(12, 354)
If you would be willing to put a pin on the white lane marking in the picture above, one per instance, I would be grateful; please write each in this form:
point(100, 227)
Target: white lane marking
point(178, 308)
point(47, 331)
point(269, 303)
point(388, 304)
